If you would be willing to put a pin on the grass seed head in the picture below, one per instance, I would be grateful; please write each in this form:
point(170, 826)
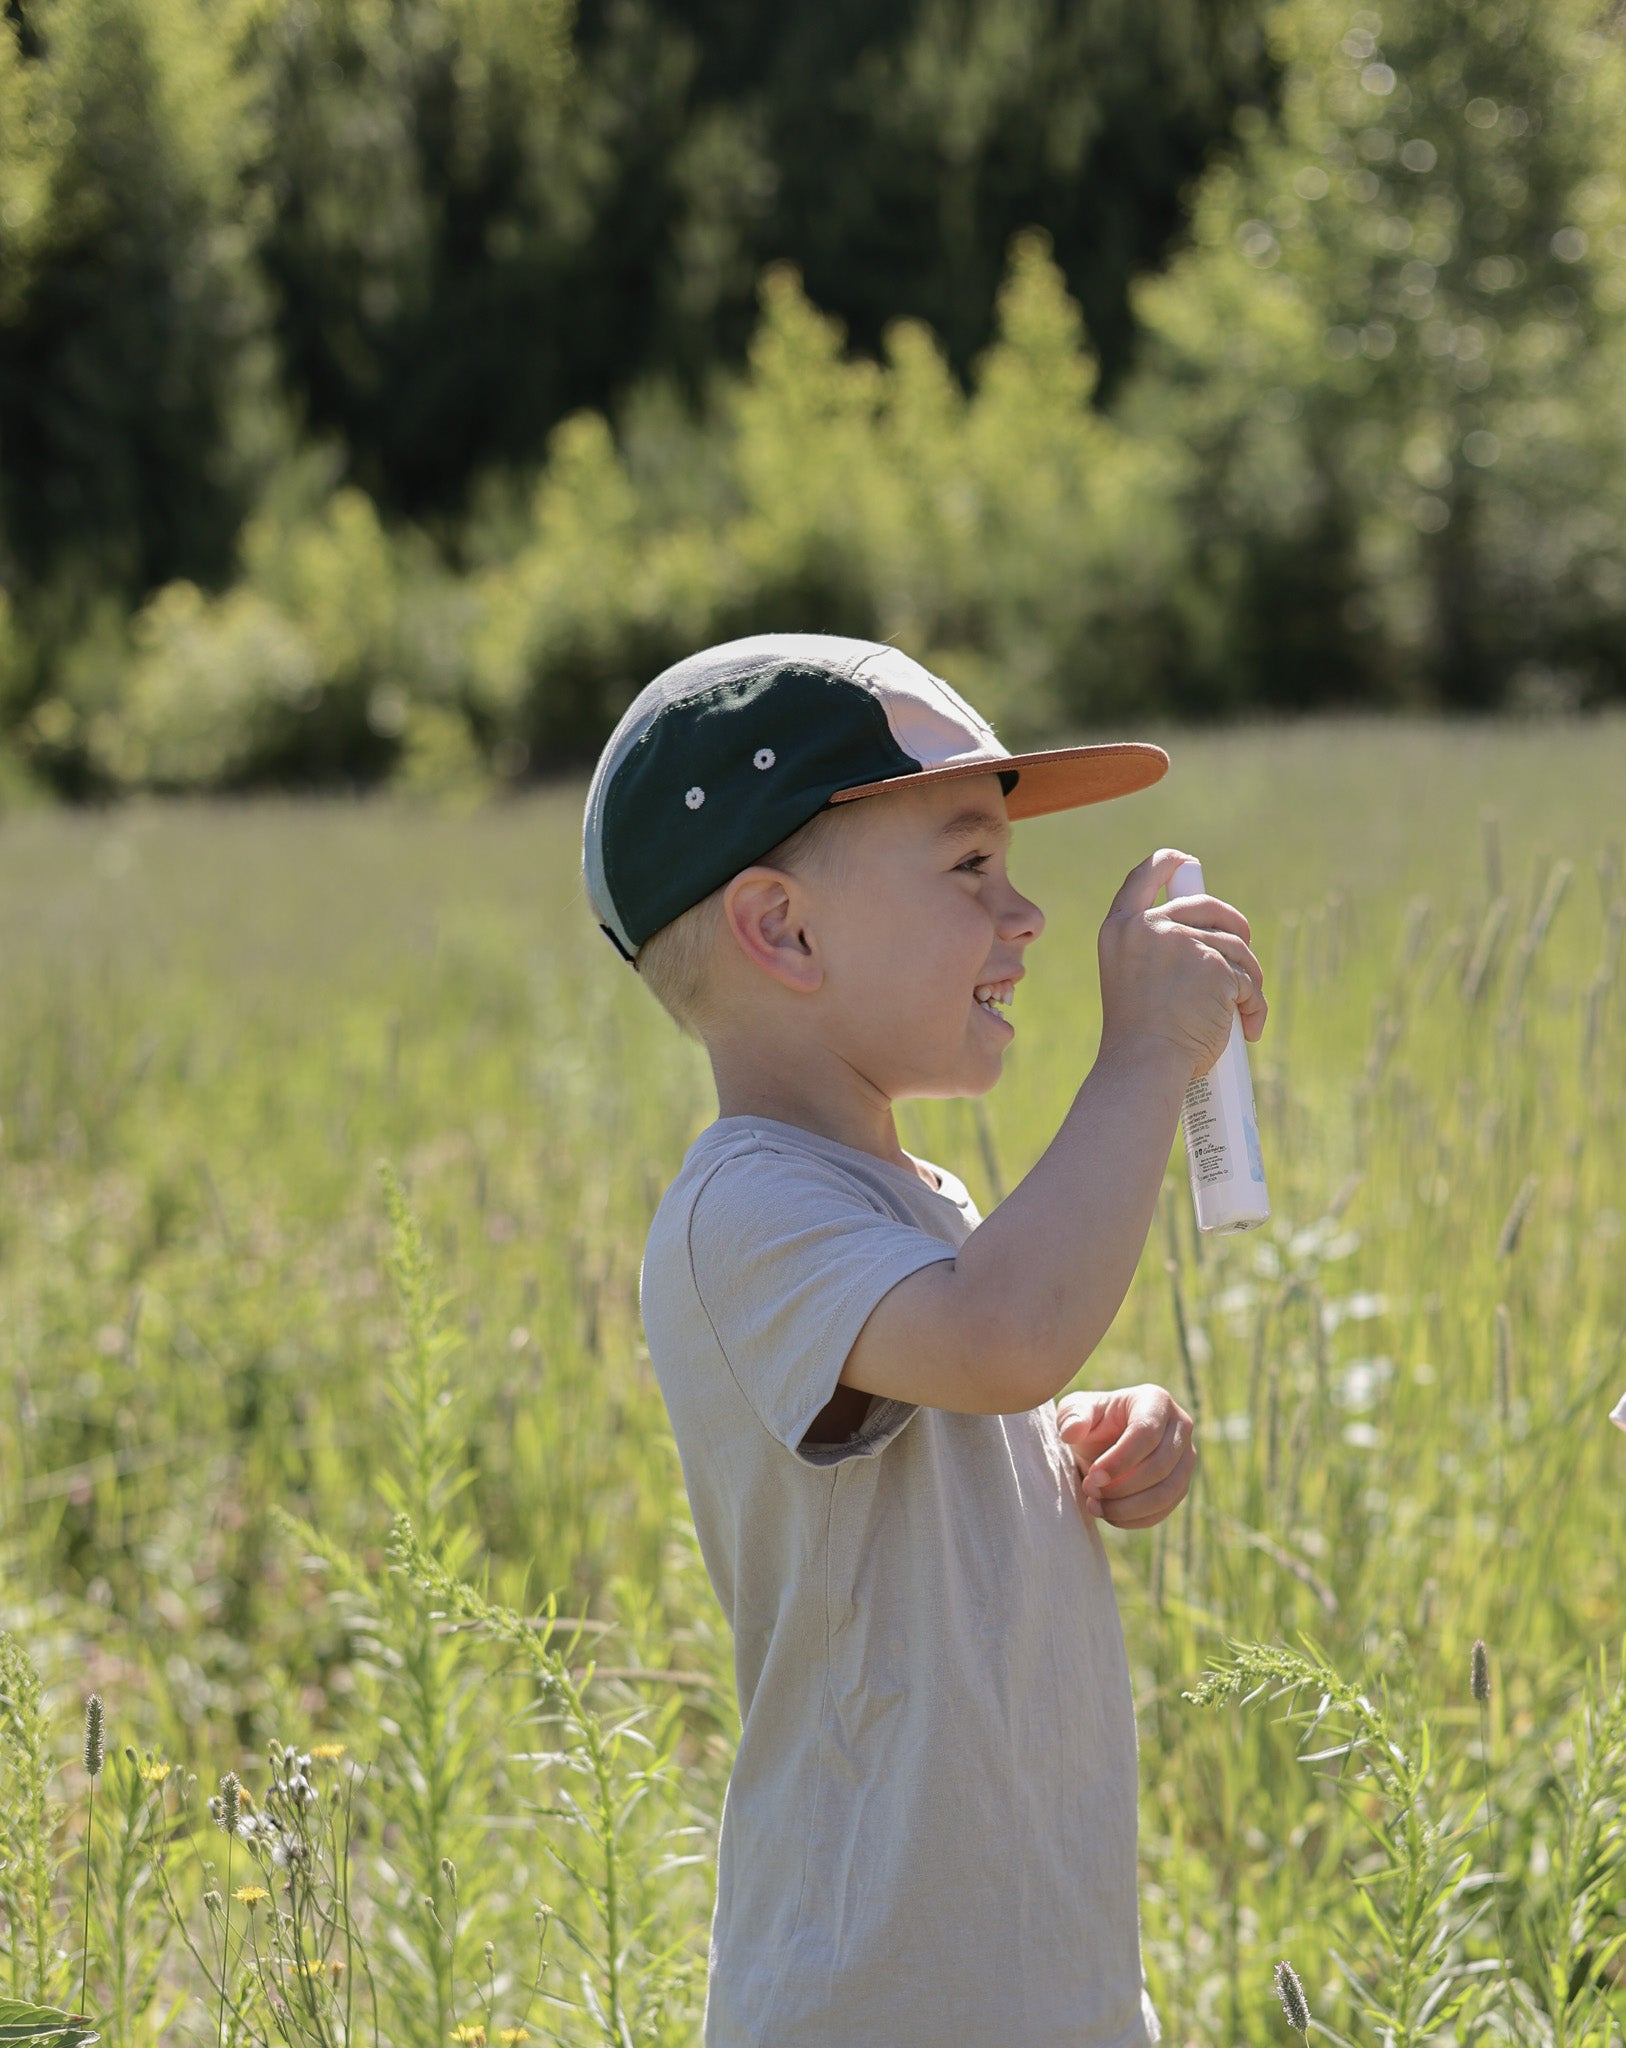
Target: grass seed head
point(1479, 1671)
point(93, 1734)
point(231, 1803)
point(1294, 2003)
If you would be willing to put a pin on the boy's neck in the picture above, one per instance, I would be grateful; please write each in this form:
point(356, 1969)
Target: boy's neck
point(837, 1105)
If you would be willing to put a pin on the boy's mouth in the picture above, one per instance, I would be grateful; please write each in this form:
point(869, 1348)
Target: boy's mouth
point(994, 996)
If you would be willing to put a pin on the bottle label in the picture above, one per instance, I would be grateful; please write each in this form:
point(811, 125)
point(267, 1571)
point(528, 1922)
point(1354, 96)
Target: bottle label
point(1206, 1149)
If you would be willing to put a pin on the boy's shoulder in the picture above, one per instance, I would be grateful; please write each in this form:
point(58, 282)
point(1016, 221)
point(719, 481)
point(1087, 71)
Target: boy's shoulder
point(756, 1199)
point(755, 1161)
point(765, 1258)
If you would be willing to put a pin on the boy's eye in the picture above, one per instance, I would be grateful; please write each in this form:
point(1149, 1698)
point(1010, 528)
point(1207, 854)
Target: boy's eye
point(975, 861)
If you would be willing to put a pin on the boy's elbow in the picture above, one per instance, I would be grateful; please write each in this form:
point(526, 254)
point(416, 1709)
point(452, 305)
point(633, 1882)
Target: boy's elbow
point(950, 1338)
point(1018, 1356)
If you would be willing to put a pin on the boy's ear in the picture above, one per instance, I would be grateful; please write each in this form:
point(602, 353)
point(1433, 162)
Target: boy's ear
point(763, 915)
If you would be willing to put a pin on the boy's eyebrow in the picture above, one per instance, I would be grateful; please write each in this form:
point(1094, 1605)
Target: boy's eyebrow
point(975, 825)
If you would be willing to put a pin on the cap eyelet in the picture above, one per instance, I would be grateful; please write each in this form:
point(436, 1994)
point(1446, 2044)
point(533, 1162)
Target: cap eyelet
point(764, 757)
point(695, 797)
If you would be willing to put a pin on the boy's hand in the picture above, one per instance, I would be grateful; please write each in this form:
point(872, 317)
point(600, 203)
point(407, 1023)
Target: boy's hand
point(1135, 1450)
point(1176, 972)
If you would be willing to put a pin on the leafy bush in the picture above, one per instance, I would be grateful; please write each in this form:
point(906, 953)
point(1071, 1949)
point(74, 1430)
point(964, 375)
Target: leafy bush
point(1013, 534)
point(1394, 351)
point(313, 667)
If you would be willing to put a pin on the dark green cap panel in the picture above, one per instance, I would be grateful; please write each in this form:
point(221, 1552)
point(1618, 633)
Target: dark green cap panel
point(664, 850)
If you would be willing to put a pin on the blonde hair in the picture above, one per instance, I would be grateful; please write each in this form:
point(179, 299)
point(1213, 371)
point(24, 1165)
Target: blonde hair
point(674, 961)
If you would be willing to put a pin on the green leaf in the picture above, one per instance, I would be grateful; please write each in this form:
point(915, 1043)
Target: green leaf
point(20, 2022)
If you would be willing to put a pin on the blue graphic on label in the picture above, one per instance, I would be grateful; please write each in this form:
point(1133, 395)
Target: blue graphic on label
point(1256, 1165)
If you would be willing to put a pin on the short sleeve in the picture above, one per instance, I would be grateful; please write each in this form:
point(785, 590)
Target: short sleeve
point(789, 1257)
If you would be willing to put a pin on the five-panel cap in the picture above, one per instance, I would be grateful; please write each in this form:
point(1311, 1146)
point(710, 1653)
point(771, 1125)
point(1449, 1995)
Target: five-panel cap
point(731, 750)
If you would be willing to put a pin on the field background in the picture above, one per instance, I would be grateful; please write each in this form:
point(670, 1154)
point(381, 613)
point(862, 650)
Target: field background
point(218, 1018)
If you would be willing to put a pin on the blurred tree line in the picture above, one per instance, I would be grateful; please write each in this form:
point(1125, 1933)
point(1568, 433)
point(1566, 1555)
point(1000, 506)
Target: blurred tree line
point(387, 387)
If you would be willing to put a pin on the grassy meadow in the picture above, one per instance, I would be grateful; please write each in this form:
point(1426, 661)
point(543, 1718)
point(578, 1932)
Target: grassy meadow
point(231, 1360)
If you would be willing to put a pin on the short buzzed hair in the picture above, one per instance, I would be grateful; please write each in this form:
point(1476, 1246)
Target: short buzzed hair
point(674, 960)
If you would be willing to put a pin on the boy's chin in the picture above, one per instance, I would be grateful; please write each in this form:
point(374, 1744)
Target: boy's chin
point(973, 1078)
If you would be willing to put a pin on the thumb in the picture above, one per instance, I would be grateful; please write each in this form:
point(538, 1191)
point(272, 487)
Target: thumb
point(1087, 1422)
point(1138, 890)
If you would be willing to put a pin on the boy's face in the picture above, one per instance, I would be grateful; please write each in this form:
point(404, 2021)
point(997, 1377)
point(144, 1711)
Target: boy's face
point(921, 915)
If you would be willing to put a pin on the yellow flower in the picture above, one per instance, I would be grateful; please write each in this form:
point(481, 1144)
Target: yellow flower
point(512, 2035)
point(154, 1774)
point(251, 1895)
point(471, 2037)
point(327, 1752)
point(309, 1969)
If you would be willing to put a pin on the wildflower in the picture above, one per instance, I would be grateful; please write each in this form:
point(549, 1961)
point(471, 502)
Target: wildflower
point(251, 1895)
point(336, 1967)
point(327, 1752)
point(512, 2035)
point(1294, 2003)
point(93, 1734)
point(154, 1773)
point(309, 1968)
point(1479, 1671)
point(470, 2036)
point(230, 1806)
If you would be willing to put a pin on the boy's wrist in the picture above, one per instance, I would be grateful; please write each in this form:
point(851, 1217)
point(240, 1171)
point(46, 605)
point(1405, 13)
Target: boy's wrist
point(1145, 1059)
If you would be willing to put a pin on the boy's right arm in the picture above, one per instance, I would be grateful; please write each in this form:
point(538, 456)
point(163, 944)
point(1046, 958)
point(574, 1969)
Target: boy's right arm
point(1007, 1323)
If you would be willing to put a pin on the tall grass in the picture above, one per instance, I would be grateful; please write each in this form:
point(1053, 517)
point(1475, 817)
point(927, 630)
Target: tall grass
point(216, 1329)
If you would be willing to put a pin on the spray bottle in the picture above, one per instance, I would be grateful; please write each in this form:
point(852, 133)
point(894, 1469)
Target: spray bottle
point(1222, 1129)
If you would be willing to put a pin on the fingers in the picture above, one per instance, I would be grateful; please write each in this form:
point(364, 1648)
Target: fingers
point(1140, 886)
point(1238, 953)
point(1170, 1438)
point(1249, 977)
point(1142, 1510)
point(1252, 1008)
point(1141, 1438)
point(1208, 914)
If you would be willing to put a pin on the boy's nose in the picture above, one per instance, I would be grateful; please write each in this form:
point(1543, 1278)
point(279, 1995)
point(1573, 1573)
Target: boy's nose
point(1021, 919)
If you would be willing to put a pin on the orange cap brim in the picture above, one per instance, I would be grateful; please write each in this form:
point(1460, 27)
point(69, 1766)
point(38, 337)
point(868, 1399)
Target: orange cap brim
point(1059, 780)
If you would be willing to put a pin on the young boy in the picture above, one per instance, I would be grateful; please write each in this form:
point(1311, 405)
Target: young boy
point(929, 1833)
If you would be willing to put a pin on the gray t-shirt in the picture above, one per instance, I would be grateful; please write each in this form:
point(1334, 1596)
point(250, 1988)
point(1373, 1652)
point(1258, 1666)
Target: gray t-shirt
point(929, 1833)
